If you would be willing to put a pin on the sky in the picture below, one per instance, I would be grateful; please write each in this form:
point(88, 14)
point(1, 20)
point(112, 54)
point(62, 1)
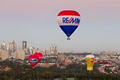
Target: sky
point(35, 21)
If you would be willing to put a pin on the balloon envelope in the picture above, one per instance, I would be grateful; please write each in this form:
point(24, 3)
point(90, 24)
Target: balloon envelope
point(39, 55)
point(33, 60)
point(68, 21)
point(90, 61)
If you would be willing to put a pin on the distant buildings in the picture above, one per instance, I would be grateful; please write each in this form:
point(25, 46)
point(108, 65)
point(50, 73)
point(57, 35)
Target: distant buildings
point(11, 52)
point(51, 57)
point(14, 52)
point(32, 50)
point(19, 54)
point(51, 51)
point(3, 46)
point(24, 44)
point(4, 55)
point(12, 47)
point(62, 57)
point(24, 47)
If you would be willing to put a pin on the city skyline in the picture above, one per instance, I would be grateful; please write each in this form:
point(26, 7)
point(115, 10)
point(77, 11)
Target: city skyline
point(35, 22)
point(10, 46)
point(12, 50)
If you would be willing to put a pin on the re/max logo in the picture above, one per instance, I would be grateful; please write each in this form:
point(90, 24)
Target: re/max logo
point(34, 60)
point(70, 20)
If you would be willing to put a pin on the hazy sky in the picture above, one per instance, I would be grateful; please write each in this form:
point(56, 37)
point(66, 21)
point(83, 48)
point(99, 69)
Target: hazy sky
point(35, 21)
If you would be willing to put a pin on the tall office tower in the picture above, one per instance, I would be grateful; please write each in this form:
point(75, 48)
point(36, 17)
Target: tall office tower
point(24, 44)
point(45, 53)
point(12, 46)
point(3, 46)
point(51, 50)
point(55, 50)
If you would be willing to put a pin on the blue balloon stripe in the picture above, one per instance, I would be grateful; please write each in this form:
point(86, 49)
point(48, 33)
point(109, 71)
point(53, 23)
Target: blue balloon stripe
point(68, 29)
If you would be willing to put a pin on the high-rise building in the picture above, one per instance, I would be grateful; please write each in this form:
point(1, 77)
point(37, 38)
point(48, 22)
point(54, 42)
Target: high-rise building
point(53, 49)
point(32, 50)
point(24, 44)
point(19, 54)
point(45, 53)
point(12, 46)
point(4, 55)
point(3, 46)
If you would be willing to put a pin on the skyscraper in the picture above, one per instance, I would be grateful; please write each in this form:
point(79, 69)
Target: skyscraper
point(4, 54)
point(3, 46)
point(53, 49)
point(24, 44)
point(12, 46)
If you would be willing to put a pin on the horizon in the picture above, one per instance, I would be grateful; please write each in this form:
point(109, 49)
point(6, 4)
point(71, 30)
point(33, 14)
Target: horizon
point(52, 45)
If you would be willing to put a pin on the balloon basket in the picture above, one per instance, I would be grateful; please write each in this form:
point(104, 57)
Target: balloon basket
point(68, 38)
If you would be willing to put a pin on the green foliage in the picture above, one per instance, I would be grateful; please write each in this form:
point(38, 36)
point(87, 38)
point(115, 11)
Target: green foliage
point(21, 71)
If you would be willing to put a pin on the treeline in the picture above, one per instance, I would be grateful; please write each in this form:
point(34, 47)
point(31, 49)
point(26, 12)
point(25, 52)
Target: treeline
point(10, 70)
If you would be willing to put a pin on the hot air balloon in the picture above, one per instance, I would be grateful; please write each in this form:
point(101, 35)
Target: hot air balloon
point(68, 21)
point(90, 61)
point(35, 59)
